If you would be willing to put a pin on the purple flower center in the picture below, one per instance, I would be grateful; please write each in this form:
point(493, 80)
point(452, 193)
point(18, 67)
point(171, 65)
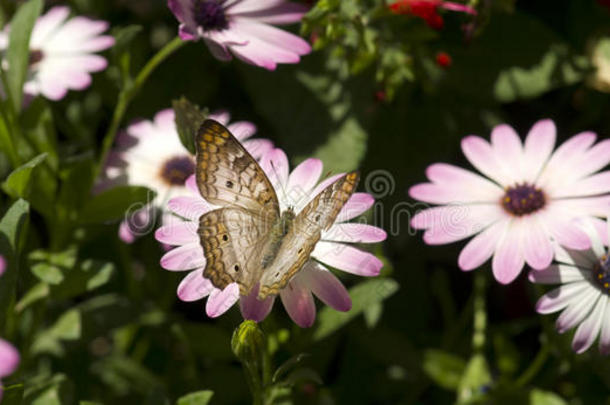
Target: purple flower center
point(523, 199)
point(601, 274)
point(176, 170)
point(210, 15)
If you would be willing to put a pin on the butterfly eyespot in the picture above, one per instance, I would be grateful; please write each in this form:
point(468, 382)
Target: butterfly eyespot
point(225, 238)
point(229, 184)
point(236, 268)
point(300, 251)
point(317, 218)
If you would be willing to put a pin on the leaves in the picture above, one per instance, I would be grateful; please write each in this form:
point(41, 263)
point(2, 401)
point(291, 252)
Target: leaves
point(18, 52)
point(445, 369)
point(196, 398)
point(364, 295)
point(115, 204)
point(17, 185)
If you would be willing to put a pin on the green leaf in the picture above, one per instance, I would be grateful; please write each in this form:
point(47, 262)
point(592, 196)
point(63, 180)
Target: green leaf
point(445, 369)
point(364, 295)
point(13, 228)
point(114, 204)
point(18, 52)
point(48, 273)
point(288, 365)
point(17, 184)
point(539, 397)
point(34, 294)
point(124, 36)
point(345, 147)
point(476, 377)
point(68, 326)
point(12, 395)
point(196, 398)
point(189, 118)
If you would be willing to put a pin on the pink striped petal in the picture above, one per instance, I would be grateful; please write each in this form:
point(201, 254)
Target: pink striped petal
point(220, 301)
point(539, 146)
point(537, 249)
point(354, 233)
point(258, 147)
point(556, 274)
point(325, 286)
point(275, 37)
point(286, 13)
point(595, 158)
point(47, 24)
point(481, 247)
point(508, 148)
point(191, 184)
point(189, 207)
point(565, 232)
point(482, 156)
point(299, 304)
point(304, 177)
point(186, 257)
point(588, 330)
point(577, 311)
point(598, 183)
point(275, 165)
point(254, 309)
point(508, 259)
point(222, 116)
point(561, 297)
point(250, 6)
point(604, 338)
point(179, 233)
point(9, 358)
point(347, 258)
point(194, 286)
point(242, 130)
point(358, 204)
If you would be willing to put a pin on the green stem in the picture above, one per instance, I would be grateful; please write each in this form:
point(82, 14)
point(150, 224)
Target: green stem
point(128, 93)
point(534, 366)
point(480, 314)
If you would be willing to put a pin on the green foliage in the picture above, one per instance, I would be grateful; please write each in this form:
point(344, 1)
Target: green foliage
point(196, 398)
point(113, 204)
point(189, 118)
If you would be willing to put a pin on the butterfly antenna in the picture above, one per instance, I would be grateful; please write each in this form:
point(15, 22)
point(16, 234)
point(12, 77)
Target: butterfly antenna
point(281, 186)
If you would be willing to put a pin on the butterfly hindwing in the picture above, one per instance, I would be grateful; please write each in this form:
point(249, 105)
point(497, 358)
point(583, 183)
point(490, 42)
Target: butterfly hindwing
point(298, 244)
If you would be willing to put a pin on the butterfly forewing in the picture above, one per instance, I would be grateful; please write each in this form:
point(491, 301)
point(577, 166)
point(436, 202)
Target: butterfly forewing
point(299, 242)
point(232, 236)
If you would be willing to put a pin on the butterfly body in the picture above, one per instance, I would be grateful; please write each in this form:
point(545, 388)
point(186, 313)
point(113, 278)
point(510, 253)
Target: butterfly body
point(248, 240)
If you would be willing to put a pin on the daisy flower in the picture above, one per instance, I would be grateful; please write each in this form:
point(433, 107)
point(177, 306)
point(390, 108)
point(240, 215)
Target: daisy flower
point(294, 189)
point(428, 10)
point(150, 154)
point(62, 53)
point(2, 265)
point(527, 197)
point(9, 360)
point(242, 28)
point(583, 296)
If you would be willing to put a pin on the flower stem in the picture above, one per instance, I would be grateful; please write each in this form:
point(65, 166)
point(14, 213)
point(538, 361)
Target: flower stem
point(534, 366)
point(480, 315)
point(128, 93)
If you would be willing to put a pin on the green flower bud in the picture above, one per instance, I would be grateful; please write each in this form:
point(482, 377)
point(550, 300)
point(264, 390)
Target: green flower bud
point(248, 343)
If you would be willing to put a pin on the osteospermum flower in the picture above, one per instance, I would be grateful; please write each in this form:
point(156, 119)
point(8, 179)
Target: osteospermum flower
point(2, 265)
point(9, 360)
point(150, 154)
point(428, 10)
point(242, 28)
point(62, 53)
point(293, 189)
point(584, 295)
point(529, 198)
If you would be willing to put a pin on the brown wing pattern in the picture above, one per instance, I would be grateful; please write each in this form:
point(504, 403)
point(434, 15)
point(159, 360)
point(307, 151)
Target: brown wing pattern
point(306, 231)
point(227, 175)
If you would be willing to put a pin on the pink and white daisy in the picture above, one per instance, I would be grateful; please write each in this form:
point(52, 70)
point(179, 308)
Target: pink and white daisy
point(583, 296)
point(527, 197)
point(242, 28)
point(62, 53)
point(150, 154)
point(294, 189)
point(2, 265)
point(9, 361)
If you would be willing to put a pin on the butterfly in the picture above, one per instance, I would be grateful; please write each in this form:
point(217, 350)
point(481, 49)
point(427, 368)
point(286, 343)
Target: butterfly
point(248, 240)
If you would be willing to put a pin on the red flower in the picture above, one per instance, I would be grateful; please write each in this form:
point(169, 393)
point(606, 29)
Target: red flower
point(443, 59)
point(428, 10)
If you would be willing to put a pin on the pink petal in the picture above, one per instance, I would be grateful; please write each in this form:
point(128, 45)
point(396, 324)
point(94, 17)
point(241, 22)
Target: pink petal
point(539, 146)
point(347, 258)
point(125, 233)
point(9, 358)
point(448, 5)
point(178, 233)
point(218, 50)
point(275, 165)
point(194, 286)
point(598, 183)
point(325, 286)
point(604, 338)
point(186, 33)
point(508, 148)
point(191, 184)
point(354, 233)
point(286, 13)
point(508, 259)
point(482, 156)
point(564, 230)
point(275, 37)
point(595, 158)
point(537, 248)
point(585, 206)
point(451, 223)
point(355, 206)
point(577, 311)
point(186, 257)
point(242, 129)
point(588, 330)
point(560, 297)
point(189, 207)
point(222, 116)
point(180, 8)
point(556, 274)
point(482, 246)
point(220, 301)
point(258, 147)
point(48, 23)
point(3, 265)
point(165, 120)
point(254, 309)
point(304, 177)
point(298, 302)
point(325, 183)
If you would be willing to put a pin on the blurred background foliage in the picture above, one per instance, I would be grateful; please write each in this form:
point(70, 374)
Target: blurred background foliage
point(98, 321)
